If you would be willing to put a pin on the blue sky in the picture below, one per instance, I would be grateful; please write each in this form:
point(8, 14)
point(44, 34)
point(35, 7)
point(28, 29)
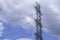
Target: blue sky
point(11, 33)
point(17, 19)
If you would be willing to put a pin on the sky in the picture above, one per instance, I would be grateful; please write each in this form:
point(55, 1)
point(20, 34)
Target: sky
point(17, 19)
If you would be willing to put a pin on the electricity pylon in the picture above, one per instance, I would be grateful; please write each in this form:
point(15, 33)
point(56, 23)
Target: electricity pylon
point(38, 33)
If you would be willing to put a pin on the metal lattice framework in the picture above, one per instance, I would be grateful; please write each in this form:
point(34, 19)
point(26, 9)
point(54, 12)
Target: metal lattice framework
point(38, 33)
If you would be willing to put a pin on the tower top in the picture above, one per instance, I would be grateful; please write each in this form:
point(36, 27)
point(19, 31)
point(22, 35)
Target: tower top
point(37, 5)
point(37, 8)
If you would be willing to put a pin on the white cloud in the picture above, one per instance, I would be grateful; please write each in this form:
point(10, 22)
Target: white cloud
point(54, 8)
point(1, 26)
point(28, 19)
point(6, 39)
point(18, 13)
point(1, 29)
point(23, 39)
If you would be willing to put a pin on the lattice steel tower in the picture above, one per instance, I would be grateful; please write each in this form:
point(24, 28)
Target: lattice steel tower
point(38, 33)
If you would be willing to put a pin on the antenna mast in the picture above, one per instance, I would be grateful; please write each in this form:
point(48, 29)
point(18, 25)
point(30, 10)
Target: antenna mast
point(38, 33)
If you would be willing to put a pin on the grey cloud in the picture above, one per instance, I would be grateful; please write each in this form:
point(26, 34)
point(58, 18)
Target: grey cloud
point(51, 19)
point(16, 14)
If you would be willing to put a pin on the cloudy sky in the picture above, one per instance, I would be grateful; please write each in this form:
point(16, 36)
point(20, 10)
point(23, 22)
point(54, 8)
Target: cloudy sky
point(17, 19)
